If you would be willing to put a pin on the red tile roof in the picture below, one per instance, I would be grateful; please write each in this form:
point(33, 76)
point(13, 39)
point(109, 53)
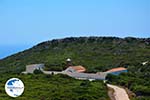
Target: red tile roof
point(116, 69)
point(78, 68)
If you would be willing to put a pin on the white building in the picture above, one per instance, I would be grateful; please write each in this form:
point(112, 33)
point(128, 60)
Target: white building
point(31, 68)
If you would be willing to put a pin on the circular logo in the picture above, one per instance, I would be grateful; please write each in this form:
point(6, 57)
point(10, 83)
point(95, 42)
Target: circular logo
point(14, 87)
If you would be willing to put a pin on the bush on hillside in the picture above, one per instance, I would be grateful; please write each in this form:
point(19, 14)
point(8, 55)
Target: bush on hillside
point(36, 71)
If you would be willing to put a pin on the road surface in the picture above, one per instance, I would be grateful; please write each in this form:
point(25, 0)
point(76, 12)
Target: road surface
point(119, 93)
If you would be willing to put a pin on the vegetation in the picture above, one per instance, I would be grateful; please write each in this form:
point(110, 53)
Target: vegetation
point(95, 54)
point(138, 82)
point(55, 87)
point(37, 71)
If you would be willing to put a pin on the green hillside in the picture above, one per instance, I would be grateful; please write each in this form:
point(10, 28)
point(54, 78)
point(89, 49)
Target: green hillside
point(95, 54)
point(55, 87)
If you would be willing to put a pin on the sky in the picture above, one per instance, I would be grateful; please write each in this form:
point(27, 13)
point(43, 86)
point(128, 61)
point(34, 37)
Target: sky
point(25, 23)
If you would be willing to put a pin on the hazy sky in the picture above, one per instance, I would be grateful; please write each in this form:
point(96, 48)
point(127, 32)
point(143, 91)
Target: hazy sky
point(28, 22)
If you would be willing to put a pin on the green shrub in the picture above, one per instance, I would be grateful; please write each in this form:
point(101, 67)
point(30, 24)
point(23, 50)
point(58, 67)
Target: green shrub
point(37, 71)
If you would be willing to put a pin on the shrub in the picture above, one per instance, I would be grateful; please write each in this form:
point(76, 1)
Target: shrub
point(36, 71)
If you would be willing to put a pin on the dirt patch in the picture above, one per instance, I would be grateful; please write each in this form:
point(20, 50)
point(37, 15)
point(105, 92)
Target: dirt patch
point(130, 93)
point(111, 93)
point(118, 93)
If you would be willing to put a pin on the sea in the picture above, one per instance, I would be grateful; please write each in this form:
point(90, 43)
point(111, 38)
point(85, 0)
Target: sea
point(8, 50)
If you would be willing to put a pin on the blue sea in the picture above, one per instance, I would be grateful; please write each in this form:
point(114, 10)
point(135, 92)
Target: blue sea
point(7, 50)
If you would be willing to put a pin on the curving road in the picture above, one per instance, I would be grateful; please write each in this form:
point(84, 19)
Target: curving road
point(119, 93)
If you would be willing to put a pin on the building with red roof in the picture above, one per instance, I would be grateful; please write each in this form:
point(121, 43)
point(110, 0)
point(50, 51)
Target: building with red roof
point(79, 69)
point(117, 71)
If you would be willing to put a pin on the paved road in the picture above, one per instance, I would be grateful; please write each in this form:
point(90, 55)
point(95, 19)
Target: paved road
point(78, 75)
point(119, 93)
point(54, 72)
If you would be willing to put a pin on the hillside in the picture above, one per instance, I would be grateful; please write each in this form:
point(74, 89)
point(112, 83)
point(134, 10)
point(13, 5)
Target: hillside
point(55, 87)
point(94, 53)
